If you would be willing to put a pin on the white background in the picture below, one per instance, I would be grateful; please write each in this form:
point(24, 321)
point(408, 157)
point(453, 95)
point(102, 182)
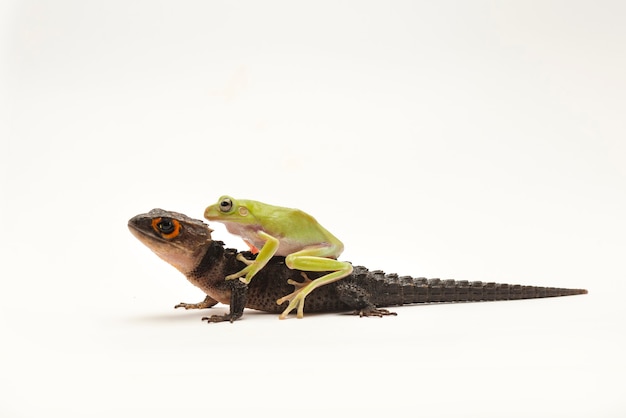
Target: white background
point(473, 140)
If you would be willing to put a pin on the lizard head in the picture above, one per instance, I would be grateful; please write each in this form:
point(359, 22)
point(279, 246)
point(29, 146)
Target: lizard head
point(176, 238)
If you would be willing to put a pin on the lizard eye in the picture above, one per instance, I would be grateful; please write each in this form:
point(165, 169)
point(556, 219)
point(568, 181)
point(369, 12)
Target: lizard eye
point(168, 228)
point(226, 205)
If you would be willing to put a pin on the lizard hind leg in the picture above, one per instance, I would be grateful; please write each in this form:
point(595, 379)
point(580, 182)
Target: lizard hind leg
point(358, 299)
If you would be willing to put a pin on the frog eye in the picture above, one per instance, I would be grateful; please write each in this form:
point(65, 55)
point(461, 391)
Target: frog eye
point(169, 228)
point(226, 205)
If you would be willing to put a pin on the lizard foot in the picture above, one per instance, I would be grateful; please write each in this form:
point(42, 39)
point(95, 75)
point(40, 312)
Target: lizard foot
point(221, 318)
point(373, 311)
point(201, 305)
point(296, 298)
point(206, 303)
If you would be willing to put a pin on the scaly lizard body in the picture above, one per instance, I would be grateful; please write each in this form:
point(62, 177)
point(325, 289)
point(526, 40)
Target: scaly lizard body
point(186, 244)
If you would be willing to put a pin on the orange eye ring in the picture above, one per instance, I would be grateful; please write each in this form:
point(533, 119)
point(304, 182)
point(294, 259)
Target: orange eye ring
point(168, 228)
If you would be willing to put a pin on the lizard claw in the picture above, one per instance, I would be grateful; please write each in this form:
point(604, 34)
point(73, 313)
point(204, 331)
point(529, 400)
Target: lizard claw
point(205, 304)
point(200, 305)
point(221, 318)
point(373, 311)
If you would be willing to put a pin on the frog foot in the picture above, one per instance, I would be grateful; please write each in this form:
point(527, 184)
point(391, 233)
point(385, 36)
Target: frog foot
point(243, 274)
point(235, 276)
point(240, 257)
point(296, 298)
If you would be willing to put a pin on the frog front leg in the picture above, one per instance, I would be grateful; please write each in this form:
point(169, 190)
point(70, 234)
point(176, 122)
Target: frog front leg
point(312, 259)
point(253, 267)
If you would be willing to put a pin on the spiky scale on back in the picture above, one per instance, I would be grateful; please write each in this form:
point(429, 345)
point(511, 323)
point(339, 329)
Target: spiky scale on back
point(206, 263)
point(366, 289)
point(376, 288)
point(393, 290)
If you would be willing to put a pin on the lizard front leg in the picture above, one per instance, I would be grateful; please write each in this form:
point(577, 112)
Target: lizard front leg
point(238, 298)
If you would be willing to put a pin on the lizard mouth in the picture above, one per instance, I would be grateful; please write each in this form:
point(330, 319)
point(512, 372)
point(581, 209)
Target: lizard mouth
point(146, 237)
point(180, 253)
point(170, 230)
point(136, 230)
point(141, 228)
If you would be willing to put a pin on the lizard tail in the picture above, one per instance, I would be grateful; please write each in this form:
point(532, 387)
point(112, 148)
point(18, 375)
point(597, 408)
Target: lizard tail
point(392, 289)
point(436, 290)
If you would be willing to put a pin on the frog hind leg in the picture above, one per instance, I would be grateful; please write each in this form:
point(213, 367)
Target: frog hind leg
point(309, 260)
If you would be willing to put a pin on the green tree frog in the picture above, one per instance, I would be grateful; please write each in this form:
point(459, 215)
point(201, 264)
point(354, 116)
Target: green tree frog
point(274, 230)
